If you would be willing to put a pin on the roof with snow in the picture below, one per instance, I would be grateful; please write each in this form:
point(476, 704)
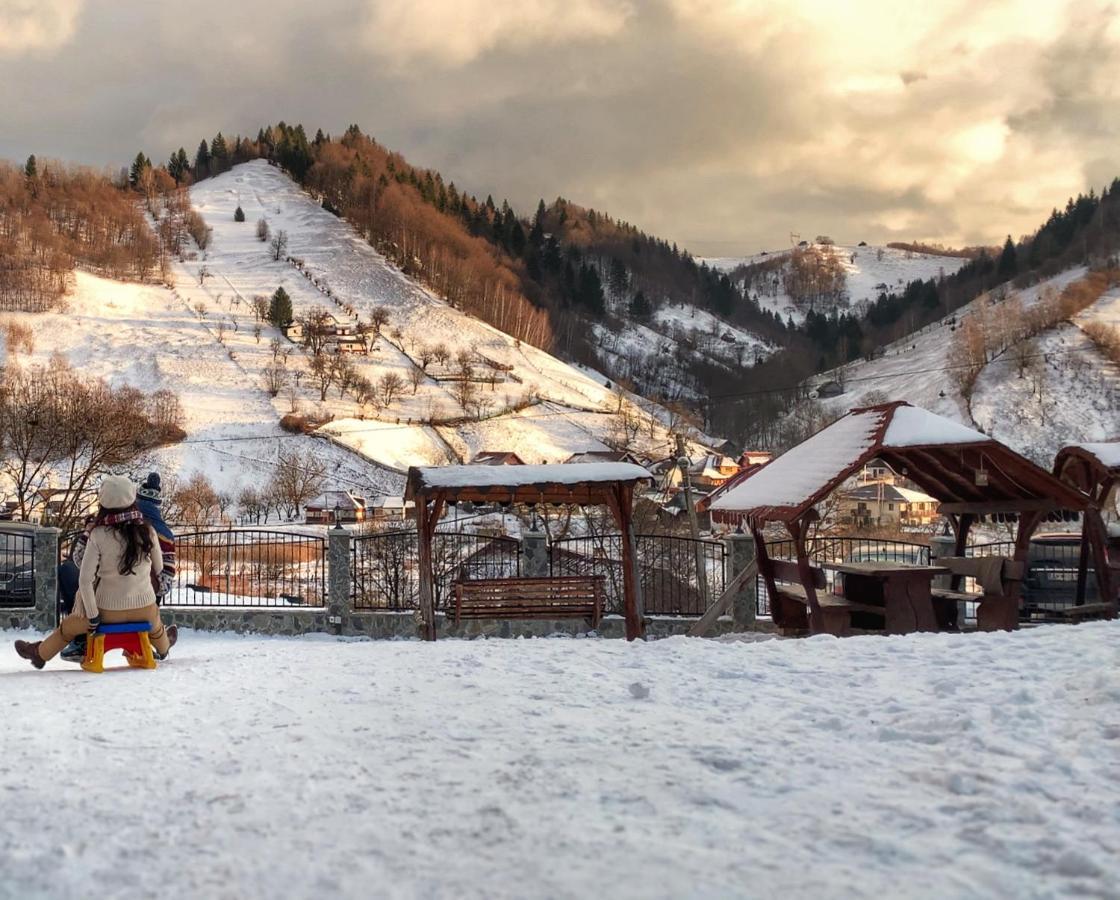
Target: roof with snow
point(952, 463)
point(1094, 469)
point(889, 492)
point(586, 483)
point(1107, 454)
point(337, 499)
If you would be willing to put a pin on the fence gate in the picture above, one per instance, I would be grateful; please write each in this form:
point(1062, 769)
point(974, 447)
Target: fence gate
point(251, 567)
point(667, 568)
point(385, 573)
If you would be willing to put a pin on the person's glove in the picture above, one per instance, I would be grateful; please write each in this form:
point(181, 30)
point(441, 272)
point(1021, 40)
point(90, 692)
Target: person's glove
point(94, 624)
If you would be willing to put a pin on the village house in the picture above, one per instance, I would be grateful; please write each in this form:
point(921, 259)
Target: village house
point(387, 509)
point(601, 456)
point(346, 343)
point(497, 458)
point(706, 473)
point(293, 332)
point(883, 505)
point(335, 506)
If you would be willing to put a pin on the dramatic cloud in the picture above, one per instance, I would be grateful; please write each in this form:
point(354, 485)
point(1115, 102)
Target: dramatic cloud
point(721, 125)
point(27, 26)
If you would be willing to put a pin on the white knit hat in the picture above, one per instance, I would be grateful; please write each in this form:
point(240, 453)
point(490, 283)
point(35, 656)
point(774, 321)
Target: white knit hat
point(116, 492)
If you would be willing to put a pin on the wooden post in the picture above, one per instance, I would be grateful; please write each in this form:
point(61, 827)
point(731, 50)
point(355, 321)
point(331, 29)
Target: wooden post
point(426, 522)
point(622, 506)
point(797, 530)
point(1083, 561)
point(424, 535)
point(693, 522)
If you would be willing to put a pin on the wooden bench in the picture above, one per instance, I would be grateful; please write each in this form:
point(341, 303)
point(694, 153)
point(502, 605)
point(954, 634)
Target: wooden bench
point(789, 607)
point(562, 597)
point(997, 609)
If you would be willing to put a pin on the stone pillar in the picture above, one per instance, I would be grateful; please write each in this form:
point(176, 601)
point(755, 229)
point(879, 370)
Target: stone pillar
point(46, 578)
point(942, 545)
point(741, 553)
point(534, 555)
point(338, 579)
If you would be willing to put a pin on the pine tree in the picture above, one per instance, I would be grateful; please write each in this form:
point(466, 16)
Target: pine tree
point(280, 308)
point(640, 307)
point(139, 166)
point(536, 233)
point(618, 279)
point(590, 290)
point(219, 154)
point(1008, 261)
point(239, 214)
point(31, 169)
point(202, 161)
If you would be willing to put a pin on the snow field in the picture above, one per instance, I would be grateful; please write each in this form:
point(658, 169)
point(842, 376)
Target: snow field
point(930, 765)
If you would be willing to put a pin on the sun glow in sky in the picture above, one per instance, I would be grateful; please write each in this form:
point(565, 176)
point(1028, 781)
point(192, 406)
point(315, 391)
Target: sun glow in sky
point(720, 125)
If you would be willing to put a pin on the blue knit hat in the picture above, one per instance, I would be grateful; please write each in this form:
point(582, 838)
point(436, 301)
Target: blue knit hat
point(151, 489)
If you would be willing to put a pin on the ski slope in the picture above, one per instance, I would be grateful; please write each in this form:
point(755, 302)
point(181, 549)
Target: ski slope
point(928, 766)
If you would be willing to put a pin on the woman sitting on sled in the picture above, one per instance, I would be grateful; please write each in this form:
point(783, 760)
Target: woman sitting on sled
point(121, 561)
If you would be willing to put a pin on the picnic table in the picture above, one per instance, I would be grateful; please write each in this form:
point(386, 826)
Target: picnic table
point(900, 591)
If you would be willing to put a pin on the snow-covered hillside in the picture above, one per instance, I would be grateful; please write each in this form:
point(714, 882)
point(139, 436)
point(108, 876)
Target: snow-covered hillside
point(868, 272)
point(202, 339)
point(1080, 389)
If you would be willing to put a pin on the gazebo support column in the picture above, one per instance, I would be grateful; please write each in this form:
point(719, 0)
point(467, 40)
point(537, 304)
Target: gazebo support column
point(621, 503)
point(798, 530)
point(426, 521)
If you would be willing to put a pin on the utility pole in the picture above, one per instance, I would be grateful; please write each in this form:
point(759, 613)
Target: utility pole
point(683, 463)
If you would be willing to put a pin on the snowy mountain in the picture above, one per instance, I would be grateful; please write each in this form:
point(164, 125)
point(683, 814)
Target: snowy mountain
point(200, 337)
point(1072, 392)
point(868, 271)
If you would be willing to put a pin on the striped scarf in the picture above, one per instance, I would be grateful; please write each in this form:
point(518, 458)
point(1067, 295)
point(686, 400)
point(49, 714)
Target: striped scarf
point(129, 515)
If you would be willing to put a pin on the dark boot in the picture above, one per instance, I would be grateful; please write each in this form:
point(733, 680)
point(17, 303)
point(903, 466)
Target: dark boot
point(172, 637)
point(75, 651)
point(31, 652)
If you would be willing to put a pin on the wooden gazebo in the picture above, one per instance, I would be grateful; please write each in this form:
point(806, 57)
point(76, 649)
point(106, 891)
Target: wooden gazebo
point(433, 488)
point(1094, 470)
point(971, 475)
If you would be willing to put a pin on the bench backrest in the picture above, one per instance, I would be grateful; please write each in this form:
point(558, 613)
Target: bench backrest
point(788, 572)
point(985, 568)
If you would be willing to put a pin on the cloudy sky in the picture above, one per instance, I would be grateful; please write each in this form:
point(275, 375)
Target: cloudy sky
point(721, 125)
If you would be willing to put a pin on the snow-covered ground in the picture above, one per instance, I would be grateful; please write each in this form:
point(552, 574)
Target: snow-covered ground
point(1080, 389)
point(931, 766)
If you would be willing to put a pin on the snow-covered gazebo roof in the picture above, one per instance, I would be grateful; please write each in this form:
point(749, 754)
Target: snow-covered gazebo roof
point(959, 466)
point(586, 483)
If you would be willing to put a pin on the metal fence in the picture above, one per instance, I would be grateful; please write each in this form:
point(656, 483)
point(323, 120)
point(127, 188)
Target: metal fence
point(668, 567)
point(252, 567)
point(843, 549)
point(385, 567)
point(1050, 584)
point(17, 567)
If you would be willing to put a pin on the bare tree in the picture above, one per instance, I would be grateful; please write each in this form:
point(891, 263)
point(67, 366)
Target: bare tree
point(344, 373)
point(263, 230)
point(322, 371)
point(298, 479)
point(389, 387)
point(252, 504)
point(260, 306)
point(441, 353)
point(197, 500)
point(220, 330)
point(257, 332)
point(318, 325)
point(378, 318)
point(275, 377)
point(279, 244)
point(415, 378)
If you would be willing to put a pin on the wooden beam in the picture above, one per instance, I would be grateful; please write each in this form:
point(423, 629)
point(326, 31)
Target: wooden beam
point(987, 507)
point(424, 535)
point(631, 580)
point(724, 601)
point(797, 530)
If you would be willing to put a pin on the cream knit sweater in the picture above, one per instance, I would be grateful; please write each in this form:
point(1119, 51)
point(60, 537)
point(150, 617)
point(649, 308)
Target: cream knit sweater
point(101, 584)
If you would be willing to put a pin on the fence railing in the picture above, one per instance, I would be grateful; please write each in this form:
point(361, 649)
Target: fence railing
point(385, 574)
point(667, 566)
point(17, 567)
point(843, 549)
point(1050, 584)
point(251, 567)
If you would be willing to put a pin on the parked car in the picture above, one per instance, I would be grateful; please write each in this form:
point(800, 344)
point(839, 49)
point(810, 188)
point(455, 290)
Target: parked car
point(1052, 572)
point(17, 581)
